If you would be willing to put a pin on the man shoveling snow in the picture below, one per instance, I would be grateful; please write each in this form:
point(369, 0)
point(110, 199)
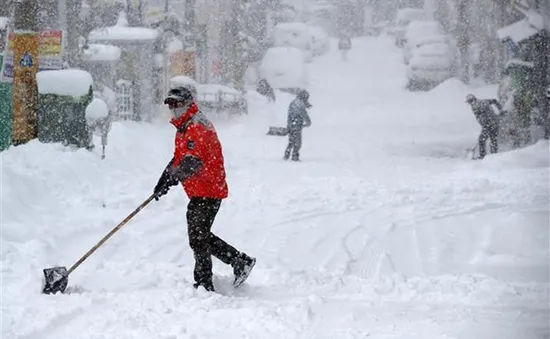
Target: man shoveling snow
point(199, 165)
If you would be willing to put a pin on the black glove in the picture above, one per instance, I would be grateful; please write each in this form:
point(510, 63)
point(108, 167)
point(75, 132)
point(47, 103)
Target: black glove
point(165, 182)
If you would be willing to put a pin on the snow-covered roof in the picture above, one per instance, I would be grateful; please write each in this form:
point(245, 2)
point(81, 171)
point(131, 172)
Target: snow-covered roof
point(100, 52)
point(518, 62)
point(518, 31)
point(118, 33)
point(535, 19)
point(122, 32)
point(71, 82)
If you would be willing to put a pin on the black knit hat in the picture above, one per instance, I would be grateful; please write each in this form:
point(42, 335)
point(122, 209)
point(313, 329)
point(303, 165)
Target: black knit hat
point(179, 94)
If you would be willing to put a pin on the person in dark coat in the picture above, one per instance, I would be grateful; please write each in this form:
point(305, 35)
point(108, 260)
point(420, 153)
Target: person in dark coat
point(344, 45)
point(488, 120)
point(266, 90)
point(298, 118)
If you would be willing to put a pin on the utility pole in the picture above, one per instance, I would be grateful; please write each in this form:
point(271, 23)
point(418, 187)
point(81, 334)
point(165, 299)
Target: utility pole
point(25, 67)
point(74, 30)
point(463, 40)
point(238, 55)
point(191, 36)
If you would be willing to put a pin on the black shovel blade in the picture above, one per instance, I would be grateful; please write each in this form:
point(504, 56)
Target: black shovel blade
point(56, 280)
point(277, 131)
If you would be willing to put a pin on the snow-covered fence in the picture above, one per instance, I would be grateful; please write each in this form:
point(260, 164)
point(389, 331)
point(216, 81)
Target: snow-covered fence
point(124, 100)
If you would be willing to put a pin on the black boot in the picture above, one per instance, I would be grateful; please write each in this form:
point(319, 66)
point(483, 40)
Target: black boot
point(242, 266)
point(287, 152)
point(207, 286)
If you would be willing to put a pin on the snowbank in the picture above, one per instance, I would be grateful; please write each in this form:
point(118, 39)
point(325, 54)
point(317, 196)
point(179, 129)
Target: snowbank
point(71, 82)
point(97, 109)
point(534, 156)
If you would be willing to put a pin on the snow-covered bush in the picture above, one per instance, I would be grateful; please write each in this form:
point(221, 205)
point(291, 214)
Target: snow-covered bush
point(96, 110)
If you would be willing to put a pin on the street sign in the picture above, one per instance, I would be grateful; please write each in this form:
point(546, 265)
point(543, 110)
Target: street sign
point(26, 61)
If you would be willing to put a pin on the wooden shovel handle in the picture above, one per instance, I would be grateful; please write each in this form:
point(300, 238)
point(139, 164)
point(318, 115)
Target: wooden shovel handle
point(113, 231)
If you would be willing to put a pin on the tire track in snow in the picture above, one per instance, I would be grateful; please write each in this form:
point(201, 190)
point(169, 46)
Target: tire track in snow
point(370, 257)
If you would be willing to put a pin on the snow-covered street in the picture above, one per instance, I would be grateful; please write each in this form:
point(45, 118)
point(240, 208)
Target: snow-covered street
point(384, 230)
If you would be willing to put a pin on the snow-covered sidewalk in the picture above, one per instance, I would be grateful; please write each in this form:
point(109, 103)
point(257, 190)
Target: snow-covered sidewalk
point(384, 230)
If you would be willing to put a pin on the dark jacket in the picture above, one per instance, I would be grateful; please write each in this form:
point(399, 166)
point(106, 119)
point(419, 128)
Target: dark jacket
point(297, 115)
point(344, 44)
point(484, 113)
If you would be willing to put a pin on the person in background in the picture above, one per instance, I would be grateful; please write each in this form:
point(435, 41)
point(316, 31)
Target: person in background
point(344, 45)
point(298, 118)
point(266, 90)
point(488, 120)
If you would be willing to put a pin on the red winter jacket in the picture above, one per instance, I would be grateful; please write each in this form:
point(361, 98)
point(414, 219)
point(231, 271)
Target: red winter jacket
point(197, 143)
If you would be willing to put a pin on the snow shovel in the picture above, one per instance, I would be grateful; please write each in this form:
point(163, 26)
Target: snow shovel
point(56, 279)
point(278, 131)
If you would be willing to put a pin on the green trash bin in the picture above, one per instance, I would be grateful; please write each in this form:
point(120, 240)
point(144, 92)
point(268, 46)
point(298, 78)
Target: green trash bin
point(5, 115)
point(61, 117)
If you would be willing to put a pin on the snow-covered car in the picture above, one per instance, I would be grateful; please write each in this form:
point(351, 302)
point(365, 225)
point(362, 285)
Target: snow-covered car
point(417, 29)
point(320, 40)
point(402, 20)
point(430, 65)
point(284, 68)
point(415, 42)
point(294, 34)
point(218, 98)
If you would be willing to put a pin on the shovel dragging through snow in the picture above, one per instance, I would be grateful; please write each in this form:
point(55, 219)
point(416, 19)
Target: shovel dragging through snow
point(56, 279)
point(278, 131)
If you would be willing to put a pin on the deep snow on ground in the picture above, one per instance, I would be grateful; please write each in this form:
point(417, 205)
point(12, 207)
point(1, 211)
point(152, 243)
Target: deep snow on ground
point(384, 230)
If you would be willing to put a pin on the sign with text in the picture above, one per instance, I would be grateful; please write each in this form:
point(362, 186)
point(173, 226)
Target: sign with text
point(50, 53)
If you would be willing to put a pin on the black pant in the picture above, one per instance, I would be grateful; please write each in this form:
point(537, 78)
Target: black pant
point(294, 144)
point(488, 133)
point(201, 213)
